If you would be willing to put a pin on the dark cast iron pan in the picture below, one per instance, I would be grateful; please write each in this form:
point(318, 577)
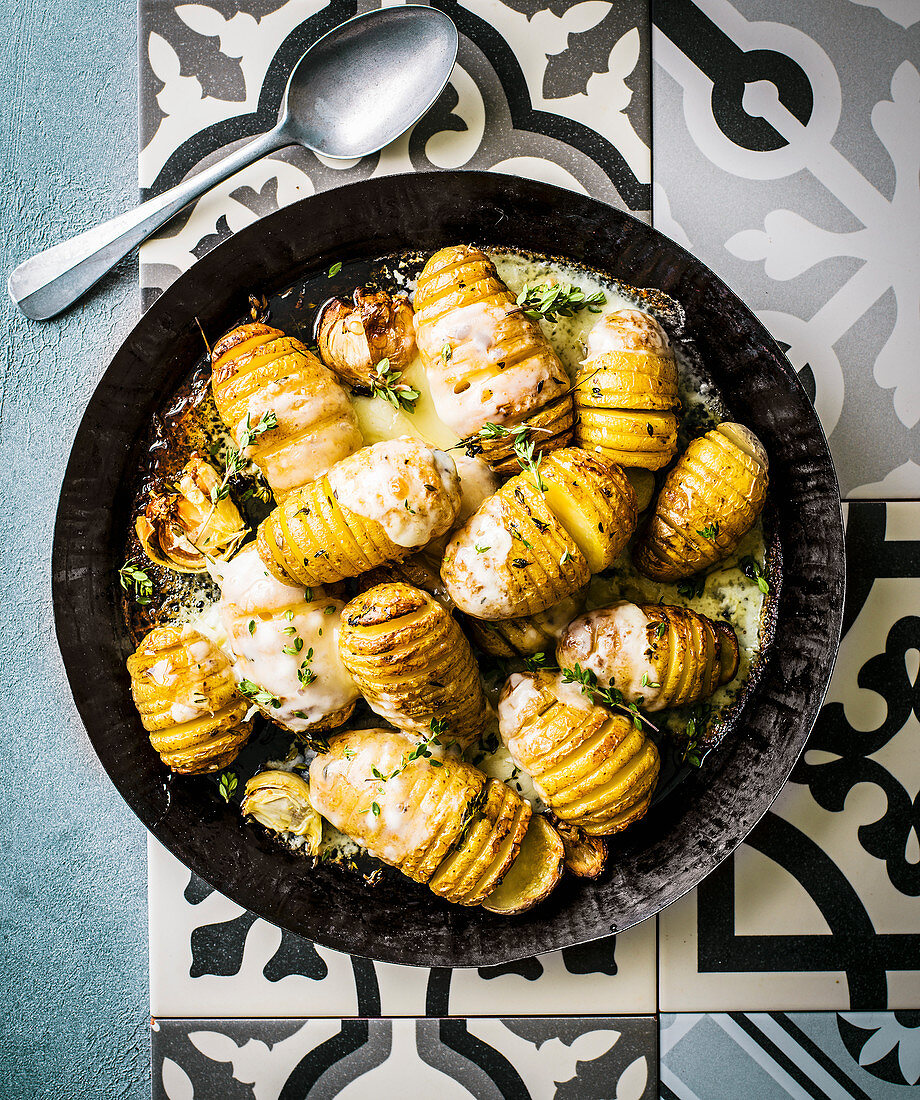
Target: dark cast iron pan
point(693, 827)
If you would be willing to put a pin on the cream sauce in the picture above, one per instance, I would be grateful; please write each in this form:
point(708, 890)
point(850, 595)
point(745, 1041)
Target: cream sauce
point(412, 491)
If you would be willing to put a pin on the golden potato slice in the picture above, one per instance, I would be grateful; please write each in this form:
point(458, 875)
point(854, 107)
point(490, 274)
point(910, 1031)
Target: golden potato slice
point(709, 501)
point(534, 874)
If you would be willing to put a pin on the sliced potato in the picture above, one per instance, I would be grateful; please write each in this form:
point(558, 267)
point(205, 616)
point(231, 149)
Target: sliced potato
point(533, 875)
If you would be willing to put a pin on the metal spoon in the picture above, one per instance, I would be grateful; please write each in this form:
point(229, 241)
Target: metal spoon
point(355, 90)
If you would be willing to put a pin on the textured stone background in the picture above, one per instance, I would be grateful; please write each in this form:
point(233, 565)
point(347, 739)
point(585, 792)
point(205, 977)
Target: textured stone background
point(73, 867)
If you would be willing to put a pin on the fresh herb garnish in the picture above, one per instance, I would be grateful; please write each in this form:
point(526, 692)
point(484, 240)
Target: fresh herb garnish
point(130, 577)
point(387, 385)
point(234, 461)
point(528, 461)
point(481, 549)
point(691, 752)
point(608, 697)
point(257, 694)
point(227, 785)
point(334, 270)
point(709, 531)
point(752, 569)
point(294, 648)
point(692, 587)
point(555, 300)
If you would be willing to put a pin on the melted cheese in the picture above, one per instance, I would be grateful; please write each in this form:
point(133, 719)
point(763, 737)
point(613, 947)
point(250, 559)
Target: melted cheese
point(480, 576)
point(613, 642)
point(627, 330)
point(412, 491)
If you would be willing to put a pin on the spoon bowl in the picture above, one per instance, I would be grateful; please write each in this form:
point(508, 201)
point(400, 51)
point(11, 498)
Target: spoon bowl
point(354, 91)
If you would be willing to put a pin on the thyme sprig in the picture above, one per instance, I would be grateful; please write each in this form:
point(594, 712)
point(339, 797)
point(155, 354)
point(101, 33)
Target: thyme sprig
point(258, 695)
point(132, 578)
point(608, 697)
point(226, 785)
point(753, 570)
point(235, 462)
point(388, 387)
point(554, 300)
point(528, 461)
point(692, 754)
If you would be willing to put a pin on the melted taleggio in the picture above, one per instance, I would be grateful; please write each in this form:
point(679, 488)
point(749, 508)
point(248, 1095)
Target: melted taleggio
point(613, 643)
point(411, 490)
point(626, 330)
point(262, 617)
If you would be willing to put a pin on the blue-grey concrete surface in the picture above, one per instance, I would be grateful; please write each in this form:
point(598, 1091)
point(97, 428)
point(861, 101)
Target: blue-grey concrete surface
point(73, 883)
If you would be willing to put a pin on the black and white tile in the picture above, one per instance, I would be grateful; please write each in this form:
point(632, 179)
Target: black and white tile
point(487, 1059)
point(785, 156)
point(818, 909)
point(778, 1055)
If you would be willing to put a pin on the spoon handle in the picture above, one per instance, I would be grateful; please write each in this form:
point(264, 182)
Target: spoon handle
point(49, 282)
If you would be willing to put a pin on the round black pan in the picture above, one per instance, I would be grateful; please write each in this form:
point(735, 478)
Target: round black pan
point(693, 827)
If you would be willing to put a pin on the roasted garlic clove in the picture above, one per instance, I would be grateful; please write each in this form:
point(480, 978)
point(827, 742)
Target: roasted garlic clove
point(592, 766)
point(626, 398)
point(184, 690)
point(435, 818)
point(413, 663)
point(376, 506)
point(353, 337)
point(280, 801)
point(708, 503)
point(282, 405)
point(486, 361)
point(530, 545)
point(182, 528)
point(655, 655)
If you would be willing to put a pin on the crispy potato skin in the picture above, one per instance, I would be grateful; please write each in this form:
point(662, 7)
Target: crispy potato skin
point(591, 766)
point(462, 304)
point(447, 826)
point(715, 485)
point(256, 369)
point(542, 546)
point(522, 637)
point(183, 688)
point(626, 398)
point(682, 655)
point(412, 662)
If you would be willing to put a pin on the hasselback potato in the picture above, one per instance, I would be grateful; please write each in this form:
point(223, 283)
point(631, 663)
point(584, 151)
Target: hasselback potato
point(412, 663)
point(531, 634)
point(435, 818)
point(485, 360)
point(376, 506)
point(655, 655)
point(285, 641)
point(709, 501)
point(183, 687)
point(592, 766)
point(528, 547)
point(626, 392)
point(257, 370)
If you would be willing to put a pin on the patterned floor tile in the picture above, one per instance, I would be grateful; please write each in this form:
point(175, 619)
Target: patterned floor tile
point(786, 159)
point(818, 908)
point(579, 1058)
point(777, 1055)
point(209, 957)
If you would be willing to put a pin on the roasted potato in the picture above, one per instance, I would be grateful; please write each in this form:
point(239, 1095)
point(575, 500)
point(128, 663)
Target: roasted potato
point(183, 687)
point(534, 874)
point(626, 392)
point(182, 526)
point(285, 641)
point(257, 370)
point(655, 655)
point(591, 766)
point(529, 546)
point(708, 503)
point(436, 819)
point(532, 634)
point(413, 664)
point(280, 801)
point(353, 337)
point(376, 506)
point(485, 360)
